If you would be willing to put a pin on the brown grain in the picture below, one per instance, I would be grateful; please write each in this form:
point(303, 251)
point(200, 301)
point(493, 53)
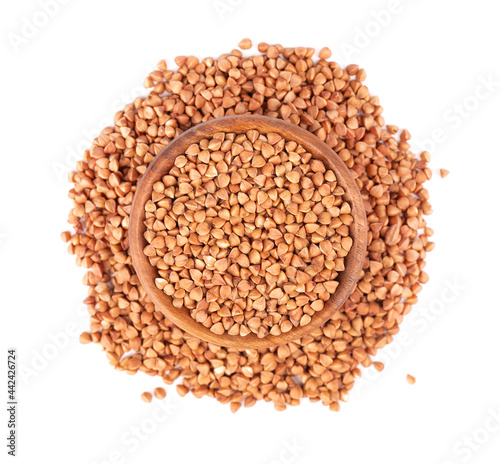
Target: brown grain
point(379, 367)
point(85, 338)
point(65, 236)
point(160, 393)
point(325, 53)
point(245, 44)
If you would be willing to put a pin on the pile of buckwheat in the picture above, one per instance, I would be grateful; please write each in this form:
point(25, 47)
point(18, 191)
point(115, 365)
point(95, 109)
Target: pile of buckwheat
point(335, 105)
point(249, 233)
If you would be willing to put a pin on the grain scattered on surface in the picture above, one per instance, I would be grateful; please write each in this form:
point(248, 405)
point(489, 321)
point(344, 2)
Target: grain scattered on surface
point(85, 338)
point(245, 44)
point(160, 393)
point(325, 53)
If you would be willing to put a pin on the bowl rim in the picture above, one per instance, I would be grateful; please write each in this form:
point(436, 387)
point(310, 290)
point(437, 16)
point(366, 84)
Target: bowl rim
point(241, 124)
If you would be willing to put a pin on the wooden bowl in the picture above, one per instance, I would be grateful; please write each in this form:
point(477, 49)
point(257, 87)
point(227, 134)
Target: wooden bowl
point(241, 124)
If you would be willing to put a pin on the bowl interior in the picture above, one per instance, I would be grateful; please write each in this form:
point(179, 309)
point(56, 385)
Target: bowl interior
point(241, 124)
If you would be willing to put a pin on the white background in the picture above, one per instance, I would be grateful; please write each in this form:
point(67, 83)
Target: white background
point(428, 61)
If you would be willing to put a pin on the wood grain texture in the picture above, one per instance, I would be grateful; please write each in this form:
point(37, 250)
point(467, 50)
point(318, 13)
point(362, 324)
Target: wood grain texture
point(241, 124)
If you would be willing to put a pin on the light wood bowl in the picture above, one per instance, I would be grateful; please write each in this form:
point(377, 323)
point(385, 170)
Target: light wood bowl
point(241, 124)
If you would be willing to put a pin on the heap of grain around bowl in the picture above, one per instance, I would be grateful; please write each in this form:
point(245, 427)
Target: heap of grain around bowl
point(249, 232)
point(334, 103)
